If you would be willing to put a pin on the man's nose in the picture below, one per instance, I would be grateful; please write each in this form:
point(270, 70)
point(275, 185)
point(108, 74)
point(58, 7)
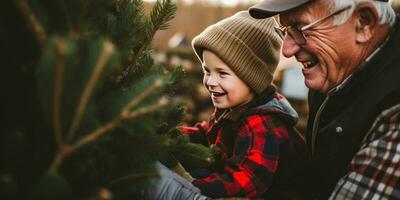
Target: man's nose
point(289, 47)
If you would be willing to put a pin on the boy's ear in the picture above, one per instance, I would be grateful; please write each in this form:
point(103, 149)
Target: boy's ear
point(367, 20)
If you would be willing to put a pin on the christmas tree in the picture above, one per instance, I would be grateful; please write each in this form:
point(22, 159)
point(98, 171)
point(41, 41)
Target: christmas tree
point(85, 111)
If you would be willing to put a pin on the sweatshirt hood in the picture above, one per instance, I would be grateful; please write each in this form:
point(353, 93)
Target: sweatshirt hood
point(280, 106)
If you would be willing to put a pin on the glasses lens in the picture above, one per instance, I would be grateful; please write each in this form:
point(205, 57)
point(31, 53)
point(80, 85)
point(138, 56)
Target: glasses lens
point(297, 35)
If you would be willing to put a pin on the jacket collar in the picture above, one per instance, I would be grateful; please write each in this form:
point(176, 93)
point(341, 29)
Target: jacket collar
point(234, 114)
point(376, 55)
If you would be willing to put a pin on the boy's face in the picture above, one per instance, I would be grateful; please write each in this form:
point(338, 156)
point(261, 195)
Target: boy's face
point(225, 88)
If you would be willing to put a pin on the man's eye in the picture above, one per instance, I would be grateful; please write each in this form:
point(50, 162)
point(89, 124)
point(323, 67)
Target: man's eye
point(295, 23)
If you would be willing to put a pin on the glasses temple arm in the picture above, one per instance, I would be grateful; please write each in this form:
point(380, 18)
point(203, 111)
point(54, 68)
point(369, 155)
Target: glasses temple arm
point(324, 18)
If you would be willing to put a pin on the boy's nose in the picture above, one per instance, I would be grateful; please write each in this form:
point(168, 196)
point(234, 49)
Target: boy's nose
point(212, 81)
point(289, 47)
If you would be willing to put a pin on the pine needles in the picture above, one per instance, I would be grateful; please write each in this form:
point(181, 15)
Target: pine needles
point(106, 129)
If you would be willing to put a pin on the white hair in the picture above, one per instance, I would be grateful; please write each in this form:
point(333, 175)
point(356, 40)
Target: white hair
point(385, 11)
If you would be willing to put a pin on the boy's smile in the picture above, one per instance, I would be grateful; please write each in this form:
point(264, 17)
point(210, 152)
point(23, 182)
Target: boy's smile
point(226, 89)
point(217, 94)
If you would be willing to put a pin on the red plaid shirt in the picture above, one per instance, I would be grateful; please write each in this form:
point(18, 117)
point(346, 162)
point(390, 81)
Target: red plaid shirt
point(251, 140)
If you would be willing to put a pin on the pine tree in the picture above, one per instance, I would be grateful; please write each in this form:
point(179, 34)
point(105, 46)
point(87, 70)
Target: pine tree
point(91, 111)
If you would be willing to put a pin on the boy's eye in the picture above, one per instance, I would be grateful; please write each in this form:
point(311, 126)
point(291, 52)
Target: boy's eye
point(223, 73)
point(206, 70)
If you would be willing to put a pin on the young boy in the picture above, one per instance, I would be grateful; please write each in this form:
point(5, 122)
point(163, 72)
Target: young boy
point(262, 154)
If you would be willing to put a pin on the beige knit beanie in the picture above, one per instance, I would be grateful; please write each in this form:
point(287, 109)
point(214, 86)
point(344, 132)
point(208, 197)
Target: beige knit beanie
point(250, 47)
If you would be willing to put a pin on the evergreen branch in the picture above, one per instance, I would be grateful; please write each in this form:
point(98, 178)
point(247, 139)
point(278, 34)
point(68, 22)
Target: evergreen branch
point(33, 23)
point(95, 134)
point(129, 69)
point(162, 12)
point(58, 159)
point(143, 111)
point(133, 176)
point(181, 171)
point(66, 149)
point(112, 124)
point(105, 55)
point(125, 111)
point(58, 86)
point(63, 151)
point(197, 157)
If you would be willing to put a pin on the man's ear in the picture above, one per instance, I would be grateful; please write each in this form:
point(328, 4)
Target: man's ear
point(367, 20)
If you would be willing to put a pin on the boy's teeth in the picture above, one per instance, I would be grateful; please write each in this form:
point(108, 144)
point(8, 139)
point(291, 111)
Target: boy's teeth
point(217, 94)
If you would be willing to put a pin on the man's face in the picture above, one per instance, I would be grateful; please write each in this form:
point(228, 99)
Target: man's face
point(330, 54)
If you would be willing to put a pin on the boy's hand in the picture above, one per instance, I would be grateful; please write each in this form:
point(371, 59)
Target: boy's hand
point(181, 171)
point(187, 130)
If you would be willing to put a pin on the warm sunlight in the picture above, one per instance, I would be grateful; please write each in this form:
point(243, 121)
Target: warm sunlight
point(217, 2)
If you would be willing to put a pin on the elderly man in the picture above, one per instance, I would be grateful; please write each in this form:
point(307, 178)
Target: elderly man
point(350, 51)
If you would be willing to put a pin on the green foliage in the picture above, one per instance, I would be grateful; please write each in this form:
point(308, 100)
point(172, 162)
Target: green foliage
point(163, 11)
point(62, 79)
point(100, 111)
point(192, 155)
point(121, 21)
point(50, 186)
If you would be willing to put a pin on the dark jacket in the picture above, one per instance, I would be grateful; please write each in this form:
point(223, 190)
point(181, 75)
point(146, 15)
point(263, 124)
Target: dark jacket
point(262, 153)
point(349, 113)
point(374, 172)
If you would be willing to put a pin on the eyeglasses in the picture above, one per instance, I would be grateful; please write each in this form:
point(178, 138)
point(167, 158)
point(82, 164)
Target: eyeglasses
point(297, 34)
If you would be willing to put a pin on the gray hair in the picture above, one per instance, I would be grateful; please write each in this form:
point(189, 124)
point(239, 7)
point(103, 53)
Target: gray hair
point(385, 11)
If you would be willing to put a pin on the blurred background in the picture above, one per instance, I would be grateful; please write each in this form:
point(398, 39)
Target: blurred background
point(173, 48)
